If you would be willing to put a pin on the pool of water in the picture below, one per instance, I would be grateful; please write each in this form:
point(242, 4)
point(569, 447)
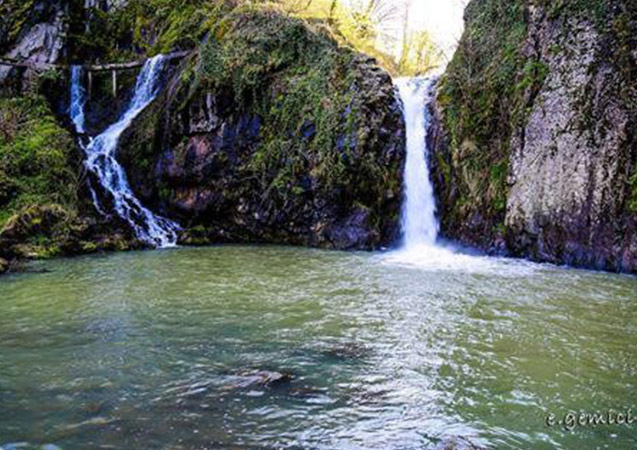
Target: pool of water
point(173, 349)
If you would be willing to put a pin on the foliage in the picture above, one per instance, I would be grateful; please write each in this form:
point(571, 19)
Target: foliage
point(419, 55)
point(35, 157)
point(370, 27)
point(143, 26)
point(292, 78)
point(14, 13)
point(161, 26)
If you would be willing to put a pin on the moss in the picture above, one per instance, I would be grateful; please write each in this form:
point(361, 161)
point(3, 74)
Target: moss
point(632, 201)
point(293, 78)
point(143, 27)
point(597, 11)
point(483, 98)
point(15, 14)
point(89, 247)
point(36, 158)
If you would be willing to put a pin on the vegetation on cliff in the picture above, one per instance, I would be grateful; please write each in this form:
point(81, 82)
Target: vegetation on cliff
point(43, 204)
point(324, 115)
point(149, 27)
point(37, 158)
point(288, 128)
point(482, 99)
point(497, 103)
point(298, 82)
point(142, 27)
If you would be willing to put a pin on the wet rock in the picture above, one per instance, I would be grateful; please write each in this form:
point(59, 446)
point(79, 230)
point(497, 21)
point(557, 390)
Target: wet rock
point(350, 350)
point(233, 168)
point(566, 175)
point(41, 38)
point(456, 443)
point(353, 232)
point(261, 378)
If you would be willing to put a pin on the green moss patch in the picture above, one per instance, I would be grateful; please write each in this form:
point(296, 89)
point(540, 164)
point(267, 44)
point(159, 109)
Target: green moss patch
point(36, 158)
point(307, 92)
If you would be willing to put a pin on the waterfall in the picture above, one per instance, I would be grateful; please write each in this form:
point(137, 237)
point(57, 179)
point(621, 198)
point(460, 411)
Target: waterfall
point(101, 152)
point(419, 223)
point(421, 247)
point(77, 99)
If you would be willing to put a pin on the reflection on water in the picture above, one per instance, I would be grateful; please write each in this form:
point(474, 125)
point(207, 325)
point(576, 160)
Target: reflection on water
point(285, 347)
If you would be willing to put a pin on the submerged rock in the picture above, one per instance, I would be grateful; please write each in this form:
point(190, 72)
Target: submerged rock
point(456, 443)
point(262, 378)
point(347, 351)
point(93, 422)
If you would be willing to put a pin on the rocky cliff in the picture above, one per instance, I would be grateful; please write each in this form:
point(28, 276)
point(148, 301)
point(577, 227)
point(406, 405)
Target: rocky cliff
point(32, 30)
point(272, 133)
point(535, 146)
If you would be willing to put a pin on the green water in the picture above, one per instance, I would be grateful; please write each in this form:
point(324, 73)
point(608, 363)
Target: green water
point(155, 350)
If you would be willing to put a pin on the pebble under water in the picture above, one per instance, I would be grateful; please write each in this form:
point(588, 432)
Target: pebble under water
point(270, 347)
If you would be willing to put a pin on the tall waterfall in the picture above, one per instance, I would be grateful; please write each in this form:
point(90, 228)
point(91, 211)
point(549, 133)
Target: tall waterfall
point(101, 153)
point(419, 224)
point(420, 227)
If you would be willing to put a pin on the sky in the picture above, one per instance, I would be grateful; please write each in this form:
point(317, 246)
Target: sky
point(442, 18)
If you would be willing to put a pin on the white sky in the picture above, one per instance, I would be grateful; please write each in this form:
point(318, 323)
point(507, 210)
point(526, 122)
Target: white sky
point(442, 18)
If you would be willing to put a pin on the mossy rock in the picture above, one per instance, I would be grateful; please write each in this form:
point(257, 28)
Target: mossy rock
point(273, 133)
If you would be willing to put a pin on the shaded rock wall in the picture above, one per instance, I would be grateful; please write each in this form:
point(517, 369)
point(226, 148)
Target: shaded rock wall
point(33, 30)
point(570, 147)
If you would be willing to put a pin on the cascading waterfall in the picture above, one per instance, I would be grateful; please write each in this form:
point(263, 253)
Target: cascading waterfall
point(419, 223)
point(101, 162)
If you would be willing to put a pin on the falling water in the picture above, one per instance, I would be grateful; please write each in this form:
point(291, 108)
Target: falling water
point(419, 224)
point(421, 247)
point(77, 99)
point(101, 161)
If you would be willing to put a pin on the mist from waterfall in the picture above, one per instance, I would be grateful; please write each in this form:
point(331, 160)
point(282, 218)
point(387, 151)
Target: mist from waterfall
point(101, 156)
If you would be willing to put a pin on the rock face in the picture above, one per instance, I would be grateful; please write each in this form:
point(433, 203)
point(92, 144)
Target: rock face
point(40, 37)
point(570, 148)
point(308, 152)
point(270, 132)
